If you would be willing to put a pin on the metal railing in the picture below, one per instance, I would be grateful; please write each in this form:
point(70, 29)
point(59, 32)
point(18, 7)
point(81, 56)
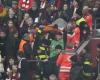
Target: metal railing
point(97, 23)
point(82, 46)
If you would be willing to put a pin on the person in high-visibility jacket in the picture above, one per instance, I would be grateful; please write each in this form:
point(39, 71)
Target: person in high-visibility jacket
point(84, 29)
point(23, 42)
point(42, 53)
point(43, 56)
point(64, 63)
point(87, 71)
point(88, 17)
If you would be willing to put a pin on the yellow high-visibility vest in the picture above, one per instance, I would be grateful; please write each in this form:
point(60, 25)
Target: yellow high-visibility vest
point(86, 74)
point(79, 21)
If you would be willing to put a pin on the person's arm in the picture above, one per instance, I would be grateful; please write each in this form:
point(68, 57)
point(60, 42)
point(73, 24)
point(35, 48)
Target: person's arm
point(21, 25)
point(59, 59)
point(71, 35)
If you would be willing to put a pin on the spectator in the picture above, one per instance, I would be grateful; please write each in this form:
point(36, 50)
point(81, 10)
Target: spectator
point(3, 11)
point(84, 29)
point(24, 40)
point(53, 12)
point(66, 13)
point(96, 9)
point(11, 42)
point(11, 16)
point(88, 17)
point(96, 13)
point(23, 26)
point(75, 37)
point(24, 21)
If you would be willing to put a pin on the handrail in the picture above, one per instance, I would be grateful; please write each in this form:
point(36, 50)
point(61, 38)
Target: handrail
point(83, 45)
point(95, 22)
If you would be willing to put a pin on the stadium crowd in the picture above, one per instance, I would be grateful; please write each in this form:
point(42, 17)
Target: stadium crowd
point(35, 33)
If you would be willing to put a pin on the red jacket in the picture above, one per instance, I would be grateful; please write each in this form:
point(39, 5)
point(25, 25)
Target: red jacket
point(64, 62)
point(89, 20)
point(75, 38)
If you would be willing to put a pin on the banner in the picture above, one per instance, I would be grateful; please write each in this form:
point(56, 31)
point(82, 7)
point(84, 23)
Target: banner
point(25, 4)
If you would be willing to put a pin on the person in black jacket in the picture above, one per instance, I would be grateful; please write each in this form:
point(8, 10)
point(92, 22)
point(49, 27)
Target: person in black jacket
point(11, 41)
point(76, 67)
point(28, 67)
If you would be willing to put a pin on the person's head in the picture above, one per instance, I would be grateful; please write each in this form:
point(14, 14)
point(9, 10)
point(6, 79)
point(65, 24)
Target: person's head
point(10, 23)
point(26, 16)
point(97, 4)
point(11, 61)
point(26, 37)
point(11, 26)
point(11, 13)
point(2, 34)
point(58, 36)
point(75, 4)
point(52, 7)
point(14, 4)
point(65, 7)
point(86, 10)
point(30, 21)
point(73, 23)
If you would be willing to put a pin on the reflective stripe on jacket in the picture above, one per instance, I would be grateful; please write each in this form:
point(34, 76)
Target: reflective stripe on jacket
point(87, 74)
point(65, 69)
point(64, 62)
